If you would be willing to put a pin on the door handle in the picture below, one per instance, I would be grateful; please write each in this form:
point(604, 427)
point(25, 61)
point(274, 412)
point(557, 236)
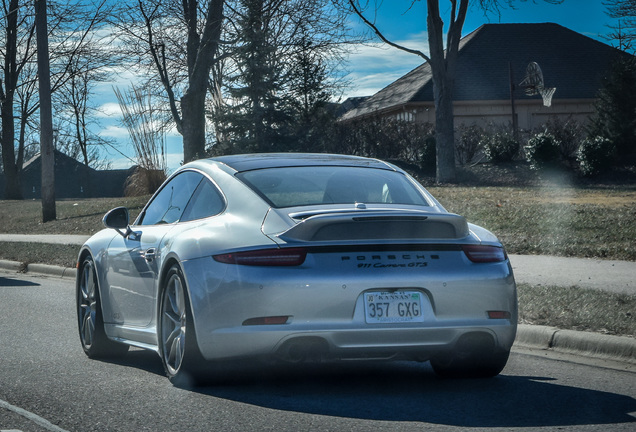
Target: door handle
point(150, 254)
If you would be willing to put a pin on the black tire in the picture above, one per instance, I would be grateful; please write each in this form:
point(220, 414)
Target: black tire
point(178, 346)
point(474, 365)
point(89, 315)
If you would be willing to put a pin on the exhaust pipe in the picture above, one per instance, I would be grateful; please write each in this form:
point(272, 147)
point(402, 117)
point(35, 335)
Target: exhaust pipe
point(304, 350)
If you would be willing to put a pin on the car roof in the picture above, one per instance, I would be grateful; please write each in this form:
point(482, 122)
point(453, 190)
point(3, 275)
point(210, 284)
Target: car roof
point(248, 162)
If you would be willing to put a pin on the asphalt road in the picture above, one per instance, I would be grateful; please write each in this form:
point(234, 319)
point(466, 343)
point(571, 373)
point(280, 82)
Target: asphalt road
point(48, 384)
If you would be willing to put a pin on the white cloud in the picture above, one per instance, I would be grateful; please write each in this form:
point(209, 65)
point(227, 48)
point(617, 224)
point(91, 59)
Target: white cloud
point(122, 77)
point(173, 161)
point(108, 110)
point(374, 66)
point(120, 163)
point(114, 132)
point(369, 84)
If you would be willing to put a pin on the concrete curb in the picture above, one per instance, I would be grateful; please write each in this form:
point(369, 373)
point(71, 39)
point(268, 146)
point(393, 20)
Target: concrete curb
point(586, 344)
point(11, 266)
point(51, 270)
point(42, 269)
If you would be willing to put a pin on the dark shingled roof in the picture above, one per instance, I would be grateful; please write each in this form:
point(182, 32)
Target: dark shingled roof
point(570, 61)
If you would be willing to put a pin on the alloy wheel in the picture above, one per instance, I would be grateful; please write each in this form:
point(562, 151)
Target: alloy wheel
point(87, 307)
point(173, 324)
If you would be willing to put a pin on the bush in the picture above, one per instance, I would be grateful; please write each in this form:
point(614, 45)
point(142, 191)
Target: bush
point(500, 147)
point(543, 151)
point(596, 155)
point(428, 153)
point(144, 182)
point(615, 116)
point(385, 138)
point(468, 144)
point(569, 133)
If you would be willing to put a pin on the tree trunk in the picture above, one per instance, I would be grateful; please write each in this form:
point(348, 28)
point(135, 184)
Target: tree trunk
point(442, 67)
point(444, 131)
point(12, 187)
point(47, 153)
point(193, 125)
point(201, 56)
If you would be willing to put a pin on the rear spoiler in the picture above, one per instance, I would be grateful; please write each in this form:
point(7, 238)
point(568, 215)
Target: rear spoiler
point(378, 226)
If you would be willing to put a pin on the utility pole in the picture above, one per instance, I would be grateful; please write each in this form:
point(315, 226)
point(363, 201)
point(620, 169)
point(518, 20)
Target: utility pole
point(47, 153)
point(515, 121)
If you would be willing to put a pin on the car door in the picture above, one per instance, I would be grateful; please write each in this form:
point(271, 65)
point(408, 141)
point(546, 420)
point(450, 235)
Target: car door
point(134, 261)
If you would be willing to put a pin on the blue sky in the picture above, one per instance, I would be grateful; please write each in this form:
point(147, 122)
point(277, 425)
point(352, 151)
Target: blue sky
point(374, 66)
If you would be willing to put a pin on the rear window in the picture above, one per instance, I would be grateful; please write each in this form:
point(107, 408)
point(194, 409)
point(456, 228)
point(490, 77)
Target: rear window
point(302, 186)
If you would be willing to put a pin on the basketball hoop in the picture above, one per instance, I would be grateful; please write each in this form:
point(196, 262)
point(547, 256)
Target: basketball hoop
point(546, 94)
point(533, 84)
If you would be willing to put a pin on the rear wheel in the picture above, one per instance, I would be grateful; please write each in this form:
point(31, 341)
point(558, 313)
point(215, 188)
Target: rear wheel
point(89, 315)
point(178, 348)
point(475, 356)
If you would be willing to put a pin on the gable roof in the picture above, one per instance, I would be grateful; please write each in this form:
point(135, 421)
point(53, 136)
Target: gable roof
point(60, 158)
point(570, 61)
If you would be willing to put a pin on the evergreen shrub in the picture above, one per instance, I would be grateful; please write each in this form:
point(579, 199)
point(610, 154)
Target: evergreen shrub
point(543, 151)
point(468, 144)
point(500, 147)
point(596, 155)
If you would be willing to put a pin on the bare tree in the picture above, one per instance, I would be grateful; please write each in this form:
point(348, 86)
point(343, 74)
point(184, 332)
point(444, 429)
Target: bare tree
point(18, 39)
point(140, 116)
point(68, 25)
point(166, 32)
point(92, 65)
point(442, 58)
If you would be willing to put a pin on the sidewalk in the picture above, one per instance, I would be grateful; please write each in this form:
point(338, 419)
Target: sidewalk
point(604, 275)
point(45, 238)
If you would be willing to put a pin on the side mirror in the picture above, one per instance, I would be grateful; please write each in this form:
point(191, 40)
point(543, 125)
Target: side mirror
point(117, 219)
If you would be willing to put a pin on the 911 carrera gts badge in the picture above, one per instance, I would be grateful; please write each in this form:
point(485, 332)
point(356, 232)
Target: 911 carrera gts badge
point(388, 261)
point(419, 264)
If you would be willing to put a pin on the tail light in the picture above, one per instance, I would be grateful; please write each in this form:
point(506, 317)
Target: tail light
point(265, 257)
point(272, 320)
point(484, 254)
point(499, 315)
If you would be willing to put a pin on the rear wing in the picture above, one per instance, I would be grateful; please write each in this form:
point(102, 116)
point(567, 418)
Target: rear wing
point(378, 225)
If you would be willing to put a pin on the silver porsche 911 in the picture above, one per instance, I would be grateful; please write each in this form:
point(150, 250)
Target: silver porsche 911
point(296, 257)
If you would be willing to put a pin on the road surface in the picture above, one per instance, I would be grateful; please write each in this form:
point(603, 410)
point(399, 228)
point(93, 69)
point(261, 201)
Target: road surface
point(48, 384)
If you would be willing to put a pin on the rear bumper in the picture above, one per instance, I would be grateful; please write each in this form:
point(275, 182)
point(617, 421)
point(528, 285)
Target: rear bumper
point(290, 342)
point(326, 308)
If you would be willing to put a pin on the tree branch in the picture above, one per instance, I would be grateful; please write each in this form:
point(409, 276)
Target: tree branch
point(160, 64)
point(377, 31)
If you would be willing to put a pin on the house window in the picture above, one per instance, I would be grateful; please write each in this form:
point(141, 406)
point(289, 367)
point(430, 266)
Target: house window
point(407, 116)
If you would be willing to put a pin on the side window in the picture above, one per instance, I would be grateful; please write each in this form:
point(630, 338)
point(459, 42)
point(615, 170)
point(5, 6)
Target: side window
point(169, 204)
point(206, 201)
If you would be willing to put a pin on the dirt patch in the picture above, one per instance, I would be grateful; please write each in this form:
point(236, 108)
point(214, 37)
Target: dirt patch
point(586, 197)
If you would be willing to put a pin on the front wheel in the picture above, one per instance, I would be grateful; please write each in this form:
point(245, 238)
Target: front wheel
point(89, 315)
point(178, 347)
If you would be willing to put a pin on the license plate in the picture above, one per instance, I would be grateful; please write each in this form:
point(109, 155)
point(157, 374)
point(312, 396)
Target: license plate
point(393, 307)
